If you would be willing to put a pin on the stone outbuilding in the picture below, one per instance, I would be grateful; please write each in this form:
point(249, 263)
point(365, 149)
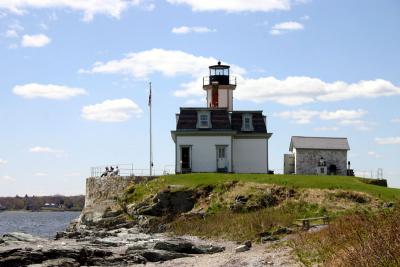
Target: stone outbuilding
point(317, 155)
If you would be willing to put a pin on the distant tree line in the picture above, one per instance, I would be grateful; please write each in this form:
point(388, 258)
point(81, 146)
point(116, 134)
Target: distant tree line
point(35, 203)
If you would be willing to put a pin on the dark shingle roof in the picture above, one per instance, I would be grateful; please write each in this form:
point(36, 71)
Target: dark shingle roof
point(220, 120)
point(258, 121)
point(304, 142)
point(188, 119)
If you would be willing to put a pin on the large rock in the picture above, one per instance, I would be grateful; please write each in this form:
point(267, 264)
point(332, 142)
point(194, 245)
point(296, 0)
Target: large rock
point(62, 262)
point(154, 255)
point(182, 246)
point(22, 237)
point(168, 203)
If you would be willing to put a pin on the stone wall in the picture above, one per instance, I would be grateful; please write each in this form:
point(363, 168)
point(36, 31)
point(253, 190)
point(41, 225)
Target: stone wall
point(306, 160)
point(102, 194)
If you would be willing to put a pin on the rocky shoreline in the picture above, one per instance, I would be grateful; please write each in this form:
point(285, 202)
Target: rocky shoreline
point(119, 247)
point(109, 233)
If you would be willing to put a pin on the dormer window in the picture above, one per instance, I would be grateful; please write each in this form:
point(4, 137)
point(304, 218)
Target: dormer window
point(203, 119)
point(247, 122)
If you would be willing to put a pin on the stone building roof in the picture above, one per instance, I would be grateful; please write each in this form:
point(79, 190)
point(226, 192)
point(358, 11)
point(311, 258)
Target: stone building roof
point(332, 143)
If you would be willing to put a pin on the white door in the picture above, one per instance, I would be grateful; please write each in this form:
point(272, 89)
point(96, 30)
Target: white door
point(221, 157)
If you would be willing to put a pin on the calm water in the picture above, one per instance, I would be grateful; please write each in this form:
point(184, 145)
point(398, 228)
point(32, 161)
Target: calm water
point(44, 224)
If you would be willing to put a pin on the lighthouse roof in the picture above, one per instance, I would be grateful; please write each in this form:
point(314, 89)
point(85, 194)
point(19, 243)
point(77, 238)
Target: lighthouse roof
point(221, 120)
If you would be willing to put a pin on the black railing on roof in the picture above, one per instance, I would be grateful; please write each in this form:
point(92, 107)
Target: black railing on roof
point(221, 79)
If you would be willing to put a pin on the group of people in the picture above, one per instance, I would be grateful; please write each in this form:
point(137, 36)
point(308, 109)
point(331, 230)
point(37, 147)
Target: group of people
point(110, 171)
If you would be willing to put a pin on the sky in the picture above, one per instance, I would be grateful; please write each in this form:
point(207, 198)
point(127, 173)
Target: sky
point(74, 80)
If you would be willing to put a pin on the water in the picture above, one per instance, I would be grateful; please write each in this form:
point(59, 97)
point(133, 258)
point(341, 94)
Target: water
point(45, 224)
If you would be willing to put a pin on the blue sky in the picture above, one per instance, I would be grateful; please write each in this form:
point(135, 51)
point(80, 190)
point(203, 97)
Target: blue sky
point(74, 80)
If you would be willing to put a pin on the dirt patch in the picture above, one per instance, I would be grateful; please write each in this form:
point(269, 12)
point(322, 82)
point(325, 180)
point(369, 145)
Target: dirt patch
point(259, 255)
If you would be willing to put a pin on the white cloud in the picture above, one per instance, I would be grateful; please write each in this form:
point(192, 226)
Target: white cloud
point(326, 129)
point(342, 114)
point(7, 178)
point(283, 27)
point(50, 91)
point(360, 125)
point(43, 149)
point(396, 120)
point(10, 33)
point(374, 154)
point(304, 116)
point(3, 161)
point(235, 5)
point(186, 30)
point(90, 8)
point(40, 174)
point(37, 40)
point(298, 116)
point(388, 140)
point(275, 32)
point(288, 26)
point(294, 90)
point(343, 117)
point(166, 62)
point(117, 110)
point(190, 89)
point(298, 90)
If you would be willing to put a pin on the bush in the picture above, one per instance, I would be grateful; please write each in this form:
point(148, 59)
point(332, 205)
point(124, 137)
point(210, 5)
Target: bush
point(362, 239)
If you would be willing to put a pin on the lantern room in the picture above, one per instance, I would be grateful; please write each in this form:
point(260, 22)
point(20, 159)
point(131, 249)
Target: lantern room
point(219, 86)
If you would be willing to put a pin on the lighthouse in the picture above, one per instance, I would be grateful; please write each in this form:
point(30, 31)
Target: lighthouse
point(219, 86)
point(218, 138)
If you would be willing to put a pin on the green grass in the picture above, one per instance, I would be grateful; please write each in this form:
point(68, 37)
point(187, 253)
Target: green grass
point(296, 181)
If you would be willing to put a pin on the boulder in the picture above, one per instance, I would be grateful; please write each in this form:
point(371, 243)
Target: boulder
point(61, 262)
point(167, 202)
point(282, 230)
point(154, 255)
point(270, 238)
point(247, 243)
point(182, 246)
point(241, 248)
point(22, 237)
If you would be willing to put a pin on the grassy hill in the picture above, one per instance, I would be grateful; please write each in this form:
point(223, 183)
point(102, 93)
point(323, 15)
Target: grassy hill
point(249, 206)
point(295, 181)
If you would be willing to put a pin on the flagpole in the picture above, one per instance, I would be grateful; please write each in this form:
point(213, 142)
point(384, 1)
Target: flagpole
point(151, 141)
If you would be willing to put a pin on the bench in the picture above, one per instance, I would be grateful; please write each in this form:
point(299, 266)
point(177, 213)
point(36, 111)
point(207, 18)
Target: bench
point(306, 221)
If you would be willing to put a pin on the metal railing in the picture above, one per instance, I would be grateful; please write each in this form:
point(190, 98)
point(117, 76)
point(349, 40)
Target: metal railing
point(223, 80)
point(126, 170)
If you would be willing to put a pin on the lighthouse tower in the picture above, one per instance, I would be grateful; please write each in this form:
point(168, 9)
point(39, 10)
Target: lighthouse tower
point(219, 86)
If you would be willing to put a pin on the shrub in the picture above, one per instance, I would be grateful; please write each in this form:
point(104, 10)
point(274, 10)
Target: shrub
point(362, 239)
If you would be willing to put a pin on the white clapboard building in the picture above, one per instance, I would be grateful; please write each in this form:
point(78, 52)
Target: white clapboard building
point(216, 138)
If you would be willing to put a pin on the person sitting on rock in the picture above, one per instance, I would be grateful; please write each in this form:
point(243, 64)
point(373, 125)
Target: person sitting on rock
point(116, 171)
point(105, 173)
point(111, 171)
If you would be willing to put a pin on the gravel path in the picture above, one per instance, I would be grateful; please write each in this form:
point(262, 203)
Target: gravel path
point(258, 255)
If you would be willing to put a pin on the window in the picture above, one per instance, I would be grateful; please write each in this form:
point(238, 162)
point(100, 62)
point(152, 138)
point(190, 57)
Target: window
point(221, 152)
point(247, 122)
point(203, 119)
